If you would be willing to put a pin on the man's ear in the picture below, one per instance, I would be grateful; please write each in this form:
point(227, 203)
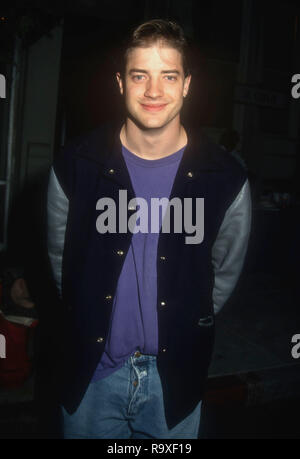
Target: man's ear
point(186, 85)
point(120, 82)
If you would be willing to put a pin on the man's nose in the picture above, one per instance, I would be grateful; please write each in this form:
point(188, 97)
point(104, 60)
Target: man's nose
point(154, 88)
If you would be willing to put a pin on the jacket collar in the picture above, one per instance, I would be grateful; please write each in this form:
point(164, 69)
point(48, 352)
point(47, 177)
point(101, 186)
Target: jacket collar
point(104, 147)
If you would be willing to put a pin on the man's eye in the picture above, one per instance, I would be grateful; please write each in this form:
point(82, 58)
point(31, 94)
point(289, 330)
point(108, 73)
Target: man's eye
point(171, 78)
point(138, 77)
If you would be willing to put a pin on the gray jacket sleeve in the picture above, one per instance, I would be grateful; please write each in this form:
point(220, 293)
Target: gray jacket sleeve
point(229, 249)
point(57, 213)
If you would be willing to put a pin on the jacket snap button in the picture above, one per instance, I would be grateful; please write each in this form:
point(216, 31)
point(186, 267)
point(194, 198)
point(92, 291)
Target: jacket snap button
point(137, 354)
point(164, 349)
point(100, 339)
point(108, 297)
point(163, 258)
point(120, 252)
point(163, 303)
point(190, 174)
point(111, 171)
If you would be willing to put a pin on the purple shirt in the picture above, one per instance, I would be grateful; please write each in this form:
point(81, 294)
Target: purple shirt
point(133, 323)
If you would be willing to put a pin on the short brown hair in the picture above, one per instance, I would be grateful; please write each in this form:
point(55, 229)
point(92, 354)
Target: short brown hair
point(150, 32)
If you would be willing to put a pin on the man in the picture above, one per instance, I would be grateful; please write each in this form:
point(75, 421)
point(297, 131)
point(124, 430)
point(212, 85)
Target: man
point(139, 293)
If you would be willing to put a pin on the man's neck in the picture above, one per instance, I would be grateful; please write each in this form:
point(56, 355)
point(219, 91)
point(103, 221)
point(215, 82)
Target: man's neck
point(153, 143)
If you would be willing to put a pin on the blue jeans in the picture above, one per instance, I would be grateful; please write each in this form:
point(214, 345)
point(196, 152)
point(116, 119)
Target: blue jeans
point(127, 404)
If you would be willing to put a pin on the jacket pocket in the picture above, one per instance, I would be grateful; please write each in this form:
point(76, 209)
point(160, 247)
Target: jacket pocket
point(207, 321)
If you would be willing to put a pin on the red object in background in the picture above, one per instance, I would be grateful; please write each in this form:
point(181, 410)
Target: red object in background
point(15, 368)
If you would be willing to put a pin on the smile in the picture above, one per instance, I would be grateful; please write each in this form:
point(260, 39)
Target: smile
point(153, 108)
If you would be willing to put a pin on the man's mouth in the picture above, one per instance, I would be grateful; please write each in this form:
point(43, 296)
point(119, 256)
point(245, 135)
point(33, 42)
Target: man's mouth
point(153, 107)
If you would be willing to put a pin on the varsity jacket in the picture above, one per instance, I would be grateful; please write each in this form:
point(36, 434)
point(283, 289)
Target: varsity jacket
point(194, 281)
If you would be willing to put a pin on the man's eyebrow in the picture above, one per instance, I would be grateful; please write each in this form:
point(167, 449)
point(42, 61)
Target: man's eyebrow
point(146, 71)
point(171, 71)
point(137, 71)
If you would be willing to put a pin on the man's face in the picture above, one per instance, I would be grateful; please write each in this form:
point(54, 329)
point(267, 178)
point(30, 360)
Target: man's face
point(154, 85)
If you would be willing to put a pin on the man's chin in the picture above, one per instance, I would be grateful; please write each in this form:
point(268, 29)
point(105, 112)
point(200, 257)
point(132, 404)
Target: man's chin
point(149, 124)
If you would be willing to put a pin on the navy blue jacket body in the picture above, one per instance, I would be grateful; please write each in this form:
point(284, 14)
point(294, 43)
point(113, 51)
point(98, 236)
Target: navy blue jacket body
point(93, 167)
